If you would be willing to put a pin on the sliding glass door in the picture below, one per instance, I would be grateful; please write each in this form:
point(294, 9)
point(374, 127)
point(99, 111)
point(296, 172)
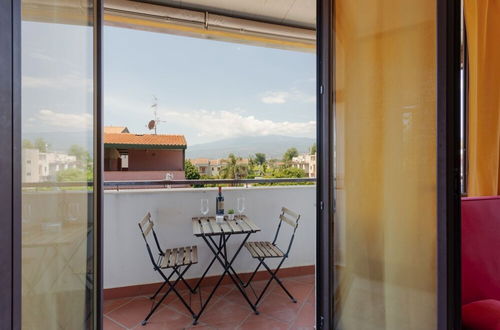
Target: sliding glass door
point(57, 164)
point(385, 124)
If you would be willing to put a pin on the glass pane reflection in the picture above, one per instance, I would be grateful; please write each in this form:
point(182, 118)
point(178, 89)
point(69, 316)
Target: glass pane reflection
point(57, 115)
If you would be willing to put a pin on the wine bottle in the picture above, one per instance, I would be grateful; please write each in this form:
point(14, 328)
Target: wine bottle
point(219, 203)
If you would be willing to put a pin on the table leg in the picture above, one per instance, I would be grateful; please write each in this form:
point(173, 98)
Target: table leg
point(219, 248)
point(227, 266)
point(225, 239)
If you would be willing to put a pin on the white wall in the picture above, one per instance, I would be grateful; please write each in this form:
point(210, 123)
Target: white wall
point(125, 258)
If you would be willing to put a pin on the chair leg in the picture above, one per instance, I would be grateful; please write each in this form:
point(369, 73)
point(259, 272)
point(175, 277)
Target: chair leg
point(171, 288)
point(273, 274)
point(162, 286)
point(273, 277)
point(253, 275)
point(184, 281)
point(157, 291)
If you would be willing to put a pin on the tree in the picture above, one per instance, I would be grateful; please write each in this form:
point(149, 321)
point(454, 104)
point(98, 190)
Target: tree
point(260, 158)
point(191, 172)
point(251, 162)
point(27, 144)
point(289, 172)
point(41, 145)
point(289, 154)
point(72, 175)
point(79, 152)
point(233, 169)
point(313, 149)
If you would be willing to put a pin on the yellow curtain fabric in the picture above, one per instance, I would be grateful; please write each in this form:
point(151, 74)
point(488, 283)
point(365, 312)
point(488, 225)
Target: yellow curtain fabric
point(482, 21)
point(385, 110)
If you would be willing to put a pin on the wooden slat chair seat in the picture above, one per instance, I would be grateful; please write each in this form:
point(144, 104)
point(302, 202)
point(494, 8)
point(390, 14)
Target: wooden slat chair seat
point(182, 256)
point(174, 259)
point(265, 250)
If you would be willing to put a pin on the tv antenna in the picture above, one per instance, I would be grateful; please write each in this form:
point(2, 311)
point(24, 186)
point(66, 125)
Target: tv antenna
point(153, 124)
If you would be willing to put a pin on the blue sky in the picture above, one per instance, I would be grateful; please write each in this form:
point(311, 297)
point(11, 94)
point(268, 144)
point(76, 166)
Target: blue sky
point(206, 90)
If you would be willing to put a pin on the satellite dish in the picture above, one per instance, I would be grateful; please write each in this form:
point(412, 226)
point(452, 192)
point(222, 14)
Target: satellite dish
point(152, 124)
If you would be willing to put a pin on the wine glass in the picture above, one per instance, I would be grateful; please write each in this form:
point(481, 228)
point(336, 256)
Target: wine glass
point(73, 211)
point(241, 205)
point(204, 207)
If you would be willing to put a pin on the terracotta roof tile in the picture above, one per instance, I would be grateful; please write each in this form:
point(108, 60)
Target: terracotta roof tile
point(145, 139)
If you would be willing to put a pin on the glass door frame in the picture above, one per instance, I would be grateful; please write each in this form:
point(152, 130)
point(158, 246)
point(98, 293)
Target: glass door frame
point(325, 200)
point(98, 198)
point(10, 162)
point(448, 164)
point(448, 74)
point(10, 165)
point(449, 21)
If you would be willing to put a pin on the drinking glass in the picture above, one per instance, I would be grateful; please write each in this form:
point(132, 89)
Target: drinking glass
point(241, 205)
point(204, 207)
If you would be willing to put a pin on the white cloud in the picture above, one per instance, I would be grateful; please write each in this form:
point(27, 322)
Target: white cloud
point(38, 55)
point(61, 82)
point(275, 97)
point(60, 121)
point(280, 97)
point(225, 124)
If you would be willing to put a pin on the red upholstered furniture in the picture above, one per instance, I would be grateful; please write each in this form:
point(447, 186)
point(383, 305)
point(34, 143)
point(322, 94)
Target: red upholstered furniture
point(481, 263)
point(481, 315)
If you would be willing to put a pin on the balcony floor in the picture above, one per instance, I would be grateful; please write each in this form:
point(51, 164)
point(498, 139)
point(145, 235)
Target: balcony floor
point(226, 310)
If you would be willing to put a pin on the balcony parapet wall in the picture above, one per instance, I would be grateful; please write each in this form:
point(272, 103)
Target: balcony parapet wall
point(126, 262)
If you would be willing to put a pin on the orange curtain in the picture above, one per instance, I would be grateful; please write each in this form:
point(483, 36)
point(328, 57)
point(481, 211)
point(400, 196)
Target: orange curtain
point(482, 21)
point(385, 130)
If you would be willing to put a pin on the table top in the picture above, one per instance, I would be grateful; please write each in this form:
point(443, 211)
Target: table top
point(208, 226)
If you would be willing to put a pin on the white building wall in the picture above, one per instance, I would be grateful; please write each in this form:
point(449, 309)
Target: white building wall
point(307, 163)
point(43, 166)
point(30, 165)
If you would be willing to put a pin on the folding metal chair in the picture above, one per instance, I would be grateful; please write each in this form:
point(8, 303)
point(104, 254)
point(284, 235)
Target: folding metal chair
point(264, 250)
point(173, 259)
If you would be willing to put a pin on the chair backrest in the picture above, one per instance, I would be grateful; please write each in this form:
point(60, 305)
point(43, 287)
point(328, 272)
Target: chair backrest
point(291, 218)
point(146, 226)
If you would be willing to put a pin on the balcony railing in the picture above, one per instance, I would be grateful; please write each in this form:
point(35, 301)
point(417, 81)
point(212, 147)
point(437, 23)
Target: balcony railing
point(170, 183)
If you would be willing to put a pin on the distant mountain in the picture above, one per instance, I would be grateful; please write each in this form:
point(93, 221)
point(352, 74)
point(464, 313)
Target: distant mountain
point(272, 145)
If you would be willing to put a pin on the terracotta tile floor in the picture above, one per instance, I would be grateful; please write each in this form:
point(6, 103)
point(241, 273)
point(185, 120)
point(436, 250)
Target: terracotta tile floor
point(226, 310)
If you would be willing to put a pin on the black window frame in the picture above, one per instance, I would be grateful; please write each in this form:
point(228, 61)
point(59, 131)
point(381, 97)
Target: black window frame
point(448, 57)
point(10, 173)
point(448, 16)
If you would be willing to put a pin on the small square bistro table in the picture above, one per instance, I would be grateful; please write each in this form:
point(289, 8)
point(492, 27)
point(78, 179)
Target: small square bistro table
point(216, 236)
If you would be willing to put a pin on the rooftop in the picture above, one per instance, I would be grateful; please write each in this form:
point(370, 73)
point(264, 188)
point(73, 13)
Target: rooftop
point(154, 141)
